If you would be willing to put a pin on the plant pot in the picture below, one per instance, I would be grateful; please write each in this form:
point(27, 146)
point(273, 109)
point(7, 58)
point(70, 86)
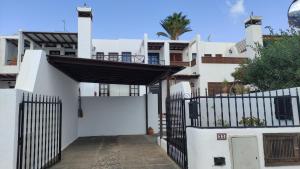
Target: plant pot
point(150, 131)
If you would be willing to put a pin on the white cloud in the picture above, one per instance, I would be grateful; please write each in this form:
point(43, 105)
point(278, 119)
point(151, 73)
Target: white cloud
point(236, 8)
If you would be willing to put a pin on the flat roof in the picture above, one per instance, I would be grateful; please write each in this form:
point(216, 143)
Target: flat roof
point(66, 39)
point(110, 72)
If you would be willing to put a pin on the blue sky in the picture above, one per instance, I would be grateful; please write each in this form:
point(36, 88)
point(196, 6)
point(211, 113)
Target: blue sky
point(222, 19)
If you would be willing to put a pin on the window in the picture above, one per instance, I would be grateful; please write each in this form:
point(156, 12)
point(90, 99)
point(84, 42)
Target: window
point(69, 53)
point(282, 149)
point(103, 89)
point(100, 55)
point(54, 52)
point(219, 55)
point(113, 56)
point(176, 57)
point(126, 57)
point(194, 56)
point(207, 55)
point(283, 107)
point(218, 87)
point(153, 58)
point(134, 90)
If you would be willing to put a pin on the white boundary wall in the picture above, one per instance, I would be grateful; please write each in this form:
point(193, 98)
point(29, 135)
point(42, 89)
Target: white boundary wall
point(38, 76)
point(118, 115)
point(203, 146)
point(9, 127)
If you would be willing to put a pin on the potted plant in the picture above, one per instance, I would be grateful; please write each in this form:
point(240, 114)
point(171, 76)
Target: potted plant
point(150, 131)
point(225, 86)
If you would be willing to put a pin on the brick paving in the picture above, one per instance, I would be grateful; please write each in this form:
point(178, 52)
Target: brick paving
point(115, 152)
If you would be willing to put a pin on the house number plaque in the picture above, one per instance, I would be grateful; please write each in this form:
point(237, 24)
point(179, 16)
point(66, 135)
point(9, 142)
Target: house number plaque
point(221, 136)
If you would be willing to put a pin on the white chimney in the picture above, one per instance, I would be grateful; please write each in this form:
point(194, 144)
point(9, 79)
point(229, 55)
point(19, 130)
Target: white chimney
point(85, 18)
point(254, 35)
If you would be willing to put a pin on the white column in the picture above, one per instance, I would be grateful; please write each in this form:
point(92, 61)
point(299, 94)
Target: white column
point(200, 52)
point(146, 48)
point(20, 48)
point(31, 45)
point(167, 53)
point(190, 52)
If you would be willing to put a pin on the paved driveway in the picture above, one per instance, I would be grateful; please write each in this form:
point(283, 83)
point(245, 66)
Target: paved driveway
point(119, 152)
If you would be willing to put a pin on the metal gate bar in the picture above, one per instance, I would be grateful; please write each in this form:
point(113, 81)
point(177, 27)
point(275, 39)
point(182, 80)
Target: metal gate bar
point(39, 132)
point(176, 130)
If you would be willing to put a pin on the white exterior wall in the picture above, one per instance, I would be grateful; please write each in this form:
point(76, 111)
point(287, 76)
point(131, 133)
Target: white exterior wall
point(215, 72)
point(124, 115)
point(118, 46)
point(106, 116)
point(119, 90)
point(3, 51)
point(218, 48)
point(38, 76)
point(203, 146)
point(9, 106)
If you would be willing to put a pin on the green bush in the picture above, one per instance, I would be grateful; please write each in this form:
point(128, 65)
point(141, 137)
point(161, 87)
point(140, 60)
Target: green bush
point(252, 122)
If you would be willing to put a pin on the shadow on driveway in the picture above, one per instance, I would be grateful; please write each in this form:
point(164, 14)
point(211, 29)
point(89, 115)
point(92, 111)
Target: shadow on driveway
point(115, 152)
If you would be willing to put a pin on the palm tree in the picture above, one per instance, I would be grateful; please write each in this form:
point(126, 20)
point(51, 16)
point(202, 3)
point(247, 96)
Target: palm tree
point(175, 25)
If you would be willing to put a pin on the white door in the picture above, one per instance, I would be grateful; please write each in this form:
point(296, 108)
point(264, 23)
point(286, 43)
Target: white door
point(245, 153)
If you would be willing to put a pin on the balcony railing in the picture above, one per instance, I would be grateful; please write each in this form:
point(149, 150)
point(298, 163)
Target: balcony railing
point(179, 63)
point(224, 60)
point(128, 59)
point(121, 58)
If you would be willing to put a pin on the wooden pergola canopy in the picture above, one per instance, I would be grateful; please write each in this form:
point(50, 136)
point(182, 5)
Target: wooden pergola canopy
point(110, 72)
point(66, 39)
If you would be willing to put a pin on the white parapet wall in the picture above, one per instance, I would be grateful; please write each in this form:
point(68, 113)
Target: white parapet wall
point(9, 99)
point(203, 146)
point(39, 77)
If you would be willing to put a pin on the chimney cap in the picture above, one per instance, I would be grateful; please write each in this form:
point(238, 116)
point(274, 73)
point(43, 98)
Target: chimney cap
point(253, 20)
point(85, 12)
point(84, 9)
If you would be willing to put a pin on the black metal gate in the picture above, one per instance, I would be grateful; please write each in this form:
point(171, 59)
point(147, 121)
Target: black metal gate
point(176, 130)
point(39, 133)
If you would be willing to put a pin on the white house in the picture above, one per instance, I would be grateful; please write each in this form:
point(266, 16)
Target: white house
point(103, 87)
point(207, 64)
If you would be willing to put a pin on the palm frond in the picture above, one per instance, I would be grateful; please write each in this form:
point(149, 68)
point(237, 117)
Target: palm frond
point(162, 34)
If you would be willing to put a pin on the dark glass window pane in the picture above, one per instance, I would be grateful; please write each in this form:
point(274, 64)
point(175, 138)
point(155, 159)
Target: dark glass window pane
point(153, 58)
point(113, 57)
point(103, 89)
point(283, 107)
point(100, 55)
point(126, 57)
